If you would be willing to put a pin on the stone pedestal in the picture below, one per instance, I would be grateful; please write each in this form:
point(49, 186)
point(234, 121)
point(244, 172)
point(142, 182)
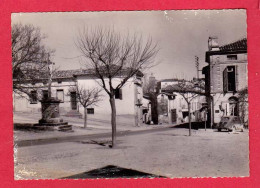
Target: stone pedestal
point(51, 117)
point(50, 113)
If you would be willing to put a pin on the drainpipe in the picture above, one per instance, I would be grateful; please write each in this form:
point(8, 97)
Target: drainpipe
point(212, 111)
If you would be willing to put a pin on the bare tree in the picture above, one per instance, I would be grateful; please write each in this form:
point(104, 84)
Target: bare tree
point(30, 57)
point(189, 90)
point(110, 55)
point(87, 97)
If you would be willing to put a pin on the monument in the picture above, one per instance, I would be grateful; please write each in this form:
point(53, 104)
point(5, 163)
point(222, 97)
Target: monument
point(51, 119)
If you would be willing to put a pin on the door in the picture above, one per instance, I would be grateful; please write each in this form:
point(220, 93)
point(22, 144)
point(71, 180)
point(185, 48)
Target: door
point(73, 100)
point(174, 116)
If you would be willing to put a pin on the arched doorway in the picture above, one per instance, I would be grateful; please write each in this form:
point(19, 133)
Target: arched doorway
point(233, 106)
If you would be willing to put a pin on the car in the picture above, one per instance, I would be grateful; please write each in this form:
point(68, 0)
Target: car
point(230, 123)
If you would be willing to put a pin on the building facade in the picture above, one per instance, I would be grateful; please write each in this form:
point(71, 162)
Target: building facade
point(173, 108)
point(225, 78)
point(128, 98)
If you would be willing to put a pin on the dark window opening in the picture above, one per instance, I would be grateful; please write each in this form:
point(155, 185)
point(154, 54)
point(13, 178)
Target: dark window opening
point(145, 111)
point(185, 114)
point(229, 79)
point(232, 57)
point(59, 81)
point(44, 94)
point(33, 97)
point(118, 94)
point(90, 110)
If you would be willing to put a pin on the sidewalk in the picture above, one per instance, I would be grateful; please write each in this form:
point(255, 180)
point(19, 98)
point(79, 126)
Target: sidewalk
point(94, 126)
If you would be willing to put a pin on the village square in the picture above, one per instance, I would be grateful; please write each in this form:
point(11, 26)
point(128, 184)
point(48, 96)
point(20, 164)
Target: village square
point(123, 111)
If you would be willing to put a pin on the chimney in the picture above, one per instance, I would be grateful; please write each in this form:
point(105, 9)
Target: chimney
point(213, 43)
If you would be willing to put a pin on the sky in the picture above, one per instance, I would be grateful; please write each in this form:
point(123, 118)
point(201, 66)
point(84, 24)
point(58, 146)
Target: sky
point(181, 35)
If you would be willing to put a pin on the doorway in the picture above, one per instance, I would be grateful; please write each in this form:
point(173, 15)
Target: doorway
point(174, 115)
point(233, 106)
point(73, 100)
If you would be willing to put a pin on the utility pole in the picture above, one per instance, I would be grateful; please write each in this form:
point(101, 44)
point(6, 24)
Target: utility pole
point(197, 66)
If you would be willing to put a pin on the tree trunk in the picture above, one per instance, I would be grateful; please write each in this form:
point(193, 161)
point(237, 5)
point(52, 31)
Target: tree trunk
point(189, 119)
point(85, 117)
point(113, 120)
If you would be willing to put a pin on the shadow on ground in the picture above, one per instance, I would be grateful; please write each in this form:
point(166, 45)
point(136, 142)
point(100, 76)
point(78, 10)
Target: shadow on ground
point(111, 171)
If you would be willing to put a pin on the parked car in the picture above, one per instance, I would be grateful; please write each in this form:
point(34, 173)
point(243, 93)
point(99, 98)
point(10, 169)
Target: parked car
point(230, 123)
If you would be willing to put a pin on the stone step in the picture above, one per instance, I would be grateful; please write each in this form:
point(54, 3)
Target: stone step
point(65, 128)
point(52, 124)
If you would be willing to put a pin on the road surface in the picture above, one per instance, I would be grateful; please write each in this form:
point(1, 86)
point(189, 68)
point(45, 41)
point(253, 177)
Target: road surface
point(170, 153)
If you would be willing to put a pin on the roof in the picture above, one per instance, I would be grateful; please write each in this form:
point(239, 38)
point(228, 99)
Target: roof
point(170, 88)
point(71, 74)
point(67, 73)
point(168, 93)
point(169, 80)
point(236, 47)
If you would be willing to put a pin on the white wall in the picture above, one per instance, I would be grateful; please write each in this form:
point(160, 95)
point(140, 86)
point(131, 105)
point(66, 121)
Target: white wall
point(23, 104)
point(130, 93)
point(124, 106)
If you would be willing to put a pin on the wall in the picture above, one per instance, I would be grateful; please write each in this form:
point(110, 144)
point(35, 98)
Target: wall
point(21, 104)
point(217, 65)
point(181, 106)
point(124, 106)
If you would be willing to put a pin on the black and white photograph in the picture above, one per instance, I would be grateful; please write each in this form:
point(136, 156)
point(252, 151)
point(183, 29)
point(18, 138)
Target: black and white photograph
point(130, 94)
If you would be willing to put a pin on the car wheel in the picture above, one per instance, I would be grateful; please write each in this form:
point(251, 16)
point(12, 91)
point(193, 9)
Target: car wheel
point(219, 129)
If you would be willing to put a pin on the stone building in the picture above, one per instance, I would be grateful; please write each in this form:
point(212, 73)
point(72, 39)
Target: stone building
point(225, 78)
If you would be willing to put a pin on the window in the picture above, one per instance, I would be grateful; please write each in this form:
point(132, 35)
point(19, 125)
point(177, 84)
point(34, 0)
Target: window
point(232, 57)
point(33, 97)
point(44, 94)
point(90, 110)
point(60, 95)
point(118, 94)
point(229, 79)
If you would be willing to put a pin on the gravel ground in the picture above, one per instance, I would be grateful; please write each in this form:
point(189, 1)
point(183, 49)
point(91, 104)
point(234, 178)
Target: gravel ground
point(167, 153)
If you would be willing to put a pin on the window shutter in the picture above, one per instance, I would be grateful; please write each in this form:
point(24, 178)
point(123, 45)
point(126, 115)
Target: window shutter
point(225, 81)
point(120, 94)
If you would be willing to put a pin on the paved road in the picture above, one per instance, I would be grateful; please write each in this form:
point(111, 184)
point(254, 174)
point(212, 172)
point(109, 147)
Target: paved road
point(24, 143)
